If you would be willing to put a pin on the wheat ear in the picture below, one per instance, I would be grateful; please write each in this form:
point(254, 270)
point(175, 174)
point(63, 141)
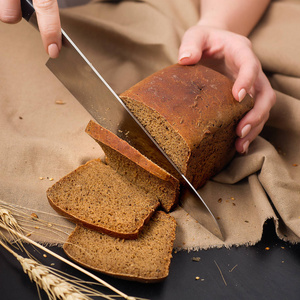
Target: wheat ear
point(23, 237)
point(54, 286)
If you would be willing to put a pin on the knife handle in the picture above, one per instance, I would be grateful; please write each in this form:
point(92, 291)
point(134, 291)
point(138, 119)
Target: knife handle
point(28, 12)
point(27, 9)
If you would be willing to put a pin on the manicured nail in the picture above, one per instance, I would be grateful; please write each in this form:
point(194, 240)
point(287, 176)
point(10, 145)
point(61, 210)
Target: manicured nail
point(53, 51)
point(241, 95)
point(245, 147)
point(185, 55)
point(246, 129)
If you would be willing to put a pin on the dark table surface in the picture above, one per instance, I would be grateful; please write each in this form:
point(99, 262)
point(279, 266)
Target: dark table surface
point(268, 270)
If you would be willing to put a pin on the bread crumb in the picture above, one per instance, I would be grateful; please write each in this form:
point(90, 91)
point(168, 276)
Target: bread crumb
point(34, 216)
point(197, 259)
point(60, 102)
point(220, 200)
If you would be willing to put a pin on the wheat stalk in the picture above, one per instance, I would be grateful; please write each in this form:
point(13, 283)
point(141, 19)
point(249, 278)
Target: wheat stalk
point(11, 228)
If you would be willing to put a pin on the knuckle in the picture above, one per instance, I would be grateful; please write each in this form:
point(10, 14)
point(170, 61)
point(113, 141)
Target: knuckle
point(43, 4)
point(244, 40)
point(259, 118)
point(272, 97)
point(51, 30)
point(10, 16)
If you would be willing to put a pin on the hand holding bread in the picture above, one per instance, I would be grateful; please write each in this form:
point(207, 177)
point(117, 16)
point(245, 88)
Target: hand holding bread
point(221, 34)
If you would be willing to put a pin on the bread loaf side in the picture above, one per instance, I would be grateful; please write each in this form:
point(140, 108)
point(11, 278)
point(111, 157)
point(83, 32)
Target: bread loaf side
point(191, 113)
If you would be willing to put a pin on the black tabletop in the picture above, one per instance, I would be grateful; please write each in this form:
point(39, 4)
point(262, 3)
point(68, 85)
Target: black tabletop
point(268, 270)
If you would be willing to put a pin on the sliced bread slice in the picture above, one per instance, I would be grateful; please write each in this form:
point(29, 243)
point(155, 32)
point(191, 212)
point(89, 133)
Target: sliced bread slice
point(145, 259)
point(98, 197)
point(138, 169)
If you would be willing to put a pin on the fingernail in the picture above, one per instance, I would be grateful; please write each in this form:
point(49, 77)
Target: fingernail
point(185, 55)
point(53, 51)
point(245, 147)
point(246, 129)
point(241, 95)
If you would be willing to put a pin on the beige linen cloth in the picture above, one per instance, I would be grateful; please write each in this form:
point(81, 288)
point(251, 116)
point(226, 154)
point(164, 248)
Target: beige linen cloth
point(127, 41)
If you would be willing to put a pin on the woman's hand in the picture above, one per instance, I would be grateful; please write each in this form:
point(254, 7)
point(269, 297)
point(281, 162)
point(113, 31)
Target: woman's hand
point(242, 65)
point(48, 20)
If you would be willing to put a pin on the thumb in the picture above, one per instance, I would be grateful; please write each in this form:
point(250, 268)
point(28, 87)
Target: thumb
point(192, 44)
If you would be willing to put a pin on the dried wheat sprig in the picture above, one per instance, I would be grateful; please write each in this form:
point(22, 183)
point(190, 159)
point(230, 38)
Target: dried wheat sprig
point(23, 237)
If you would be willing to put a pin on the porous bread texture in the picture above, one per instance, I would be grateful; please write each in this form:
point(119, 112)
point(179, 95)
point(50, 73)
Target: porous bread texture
point(145, 259)
point(98, 197)
point(138, 169)
point(191, 113)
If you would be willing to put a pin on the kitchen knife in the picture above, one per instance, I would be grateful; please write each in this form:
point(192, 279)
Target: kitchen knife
point(78, 75)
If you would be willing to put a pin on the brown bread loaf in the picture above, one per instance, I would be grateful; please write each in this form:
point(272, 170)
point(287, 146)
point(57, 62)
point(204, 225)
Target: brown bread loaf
point(191, 113)
point(98, 197)
point(145, 259)
point(139, 170)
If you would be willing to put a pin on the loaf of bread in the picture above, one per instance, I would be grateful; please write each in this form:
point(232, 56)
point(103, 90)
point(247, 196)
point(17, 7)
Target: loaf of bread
point(145, 259)
point(98, 197)
point(191, 113)
point(139, 170)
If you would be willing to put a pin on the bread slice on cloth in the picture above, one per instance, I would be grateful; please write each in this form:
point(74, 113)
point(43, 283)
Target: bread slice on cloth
point(98, 197)
point(191, 113)
point(145, 259)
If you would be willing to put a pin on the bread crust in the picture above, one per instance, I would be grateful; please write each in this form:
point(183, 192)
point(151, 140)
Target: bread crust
point(100, 134)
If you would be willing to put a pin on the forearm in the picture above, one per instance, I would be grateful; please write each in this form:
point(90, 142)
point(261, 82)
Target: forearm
point(239, 16)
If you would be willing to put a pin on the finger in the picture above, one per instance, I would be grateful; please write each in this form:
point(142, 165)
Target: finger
point(248, 67)
point(49, 25)
point(10, 11)
point(192, 44)
point(264, 101)
point(242, 144)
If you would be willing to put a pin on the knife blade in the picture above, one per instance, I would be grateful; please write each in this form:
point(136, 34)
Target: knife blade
point(86, 84)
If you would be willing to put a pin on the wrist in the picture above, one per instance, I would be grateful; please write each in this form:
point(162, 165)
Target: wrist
point(212, 23)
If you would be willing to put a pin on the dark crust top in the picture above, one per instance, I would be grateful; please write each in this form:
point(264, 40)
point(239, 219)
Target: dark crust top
point(193, 99)
point(98, 133)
